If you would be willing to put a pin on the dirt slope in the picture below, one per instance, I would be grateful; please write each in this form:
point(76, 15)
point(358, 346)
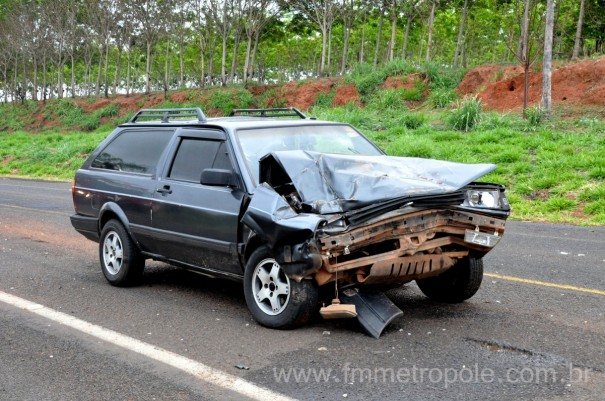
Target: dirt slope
point(501, 88)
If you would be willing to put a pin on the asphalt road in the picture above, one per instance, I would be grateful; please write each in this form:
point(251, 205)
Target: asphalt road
point(534, 331)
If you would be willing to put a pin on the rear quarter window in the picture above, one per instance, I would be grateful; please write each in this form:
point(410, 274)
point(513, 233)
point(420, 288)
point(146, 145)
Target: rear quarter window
point(134, 151)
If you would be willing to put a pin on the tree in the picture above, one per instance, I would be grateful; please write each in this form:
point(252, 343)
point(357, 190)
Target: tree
point(429, 41)
point(578, 39)
point(459, 41)
point(150, 18)
point(323, 13)
point(547, 58)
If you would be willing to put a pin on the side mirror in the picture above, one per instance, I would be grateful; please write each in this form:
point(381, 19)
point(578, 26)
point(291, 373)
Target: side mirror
point(218, 177)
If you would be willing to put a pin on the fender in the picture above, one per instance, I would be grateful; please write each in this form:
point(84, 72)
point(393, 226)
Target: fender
point(114, 208)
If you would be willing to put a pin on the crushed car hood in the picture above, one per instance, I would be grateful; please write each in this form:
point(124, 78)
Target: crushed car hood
point(332, 183)
point(354, 187)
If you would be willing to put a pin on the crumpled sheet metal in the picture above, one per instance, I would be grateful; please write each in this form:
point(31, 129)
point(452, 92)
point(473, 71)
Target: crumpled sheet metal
point(275, 222)
point(331, 183)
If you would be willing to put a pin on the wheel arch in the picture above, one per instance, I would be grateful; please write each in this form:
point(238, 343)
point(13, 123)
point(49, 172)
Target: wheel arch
point(112, 211)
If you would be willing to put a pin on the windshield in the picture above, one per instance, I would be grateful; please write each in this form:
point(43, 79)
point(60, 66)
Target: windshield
point(339, 139)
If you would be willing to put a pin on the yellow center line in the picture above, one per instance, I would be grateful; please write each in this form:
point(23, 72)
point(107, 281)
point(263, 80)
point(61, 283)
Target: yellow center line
point(544, 284)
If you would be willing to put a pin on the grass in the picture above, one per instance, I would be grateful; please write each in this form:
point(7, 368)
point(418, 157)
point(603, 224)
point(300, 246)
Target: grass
point(554, 169)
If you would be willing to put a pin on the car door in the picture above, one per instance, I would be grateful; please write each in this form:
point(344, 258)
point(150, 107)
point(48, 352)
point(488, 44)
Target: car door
point(196, 224)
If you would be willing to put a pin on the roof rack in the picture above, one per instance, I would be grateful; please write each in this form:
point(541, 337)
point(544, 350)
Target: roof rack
point(281, 112)
point(166, 114)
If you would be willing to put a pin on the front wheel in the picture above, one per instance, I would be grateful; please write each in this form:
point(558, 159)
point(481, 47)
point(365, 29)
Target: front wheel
point(121, 260)
point(457, 284)
point(273, 298)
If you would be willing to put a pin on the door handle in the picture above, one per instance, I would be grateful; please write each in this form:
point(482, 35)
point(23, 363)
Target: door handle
point(165, 190)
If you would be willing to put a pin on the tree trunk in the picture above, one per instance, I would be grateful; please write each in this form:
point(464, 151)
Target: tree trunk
point(324, 45)
point(547, 59)
point(73, 75)
point(363, 37)
point(430, 38)
point(98, 87)
point(248, 54)
point(166, 70)
point(460, 33)
point(148, 69)
point(128, 70)
point(578, 40)
point(224, 62)
point(330, 51)
point(202, 62)
point(254, 52)
point(116, 75)
point(406, 36)
point(379, 36)
point(181, 65)
point(35, 80)
point(525, 55)
point(238, 39)
point(43, 77)
point(345, 50)
point(393, 31)
point(106, 72)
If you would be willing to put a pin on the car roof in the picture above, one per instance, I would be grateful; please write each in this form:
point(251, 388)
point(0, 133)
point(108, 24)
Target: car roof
point(239, 118)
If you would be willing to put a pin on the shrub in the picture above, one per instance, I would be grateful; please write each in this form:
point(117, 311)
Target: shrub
point(388, 100)
point(412, 120)
point(466, 115)
point(535, 116)
point(442, 97)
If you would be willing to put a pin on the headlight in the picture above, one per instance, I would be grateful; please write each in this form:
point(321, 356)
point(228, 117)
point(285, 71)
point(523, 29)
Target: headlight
point(488, 199)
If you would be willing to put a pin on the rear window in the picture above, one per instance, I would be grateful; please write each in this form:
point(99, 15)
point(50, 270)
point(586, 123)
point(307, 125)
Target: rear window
point(134, 151)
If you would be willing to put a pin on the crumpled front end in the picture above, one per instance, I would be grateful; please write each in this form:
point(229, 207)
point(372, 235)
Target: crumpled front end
point(397, 222)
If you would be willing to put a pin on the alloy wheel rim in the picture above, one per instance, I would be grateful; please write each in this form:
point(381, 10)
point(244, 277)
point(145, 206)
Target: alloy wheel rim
point(113, 253)
point(270, 287)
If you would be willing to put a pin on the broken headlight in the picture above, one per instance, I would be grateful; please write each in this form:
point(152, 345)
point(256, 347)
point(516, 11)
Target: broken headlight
point(492, 197)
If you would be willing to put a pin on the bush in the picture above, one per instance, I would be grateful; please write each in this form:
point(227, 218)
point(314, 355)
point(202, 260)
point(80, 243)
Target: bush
point(412, 120)
point(442, 97)
point(535, 116)
point(388, 100)
point(466, 115)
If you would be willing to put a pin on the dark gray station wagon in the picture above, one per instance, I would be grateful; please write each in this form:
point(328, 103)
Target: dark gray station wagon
point(286, 204)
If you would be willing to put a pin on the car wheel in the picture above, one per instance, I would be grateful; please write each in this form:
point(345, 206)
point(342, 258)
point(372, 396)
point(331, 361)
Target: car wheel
point(275, 300)
point(457, 284)
point(121, 260)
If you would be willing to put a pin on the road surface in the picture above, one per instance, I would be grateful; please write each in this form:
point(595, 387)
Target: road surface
point(534, 331)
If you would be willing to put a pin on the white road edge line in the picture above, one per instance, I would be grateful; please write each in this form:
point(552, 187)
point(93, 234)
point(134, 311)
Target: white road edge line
point(194, 368)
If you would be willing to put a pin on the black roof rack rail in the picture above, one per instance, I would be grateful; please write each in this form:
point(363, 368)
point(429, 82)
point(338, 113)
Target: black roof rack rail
point(279, 112)
point(166, 114)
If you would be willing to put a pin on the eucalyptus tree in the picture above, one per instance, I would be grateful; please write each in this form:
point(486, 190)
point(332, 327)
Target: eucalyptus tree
point(547, 58)
point(459, 40)
point(350, 11)
point(323, 13)
point(221, 15)
point(258, 15)
point(578, 37)
point(429, 41)
point(150, 19)
point(409, 11)
point(60, 15)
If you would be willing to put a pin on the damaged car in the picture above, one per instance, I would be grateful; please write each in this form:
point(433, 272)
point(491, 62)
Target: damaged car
point(288, 205)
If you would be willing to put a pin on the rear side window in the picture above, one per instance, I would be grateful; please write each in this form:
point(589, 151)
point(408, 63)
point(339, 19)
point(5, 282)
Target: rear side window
point(195, 155)
point(134, 151)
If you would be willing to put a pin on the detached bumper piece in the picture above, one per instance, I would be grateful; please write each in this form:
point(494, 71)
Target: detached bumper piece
point(374, 309)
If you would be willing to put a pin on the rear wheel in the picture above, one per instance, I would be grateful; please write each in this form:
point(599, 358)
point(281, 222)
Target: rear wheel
point(273, 298)
point(459, 283)
point(121, 260)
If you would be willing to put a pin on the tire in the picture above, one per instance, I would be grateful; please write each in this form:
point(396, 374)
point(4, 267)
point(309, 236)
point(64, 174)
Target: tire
point(121, 260)
point(457, 284)
point(274, 300)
